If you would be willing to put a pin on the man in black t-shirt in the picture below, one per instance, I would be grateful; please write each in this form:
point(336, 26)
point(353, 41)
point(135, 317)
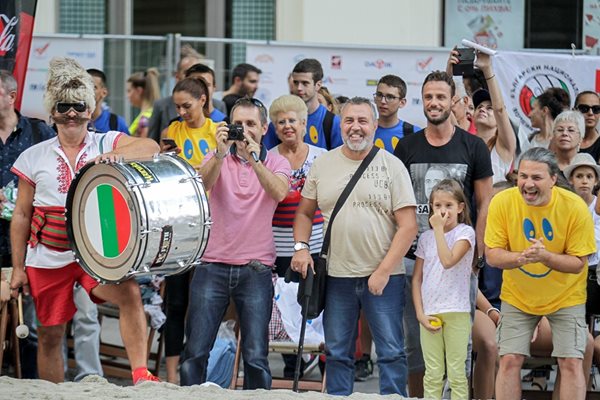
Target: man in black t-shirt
point(244, 83)
point(439, 151)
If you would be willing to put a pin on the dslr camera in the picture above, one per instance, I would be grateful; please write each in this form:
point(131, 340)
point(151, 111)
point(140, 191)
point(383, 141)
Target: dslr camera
point(236, 132)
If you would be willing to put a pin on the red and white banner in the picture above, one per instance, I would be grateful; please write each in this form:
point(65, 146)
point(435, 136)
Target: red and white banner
point(16, 29)
point(523, 76)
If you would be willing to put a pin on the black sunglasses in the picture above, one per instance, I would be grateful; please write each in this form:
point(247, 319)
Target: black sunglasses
point(63, 108)
point(584, 108)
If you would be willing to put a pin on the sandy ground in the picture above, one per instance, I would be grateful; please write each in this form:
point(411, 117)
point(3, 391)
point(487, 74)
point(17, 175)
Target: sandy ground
point(95, 387)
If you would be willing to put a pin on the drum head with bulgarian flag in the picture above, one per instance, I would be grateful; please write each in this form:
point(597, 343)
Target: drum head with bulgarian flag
point(108, 221)
point(103, 222)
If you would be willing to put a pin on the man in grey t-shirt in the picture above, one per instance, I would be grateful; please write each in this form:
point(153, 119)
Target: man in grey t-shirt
point(371, 233)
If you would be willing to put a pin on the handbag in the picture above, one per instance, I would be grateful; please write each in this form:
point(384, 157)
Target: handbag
point(315, 288)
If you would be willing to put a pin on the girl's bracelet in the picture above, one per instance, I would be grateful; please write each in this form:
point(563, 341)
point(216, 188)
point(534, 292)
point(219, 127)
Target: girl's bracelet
point(490, 310)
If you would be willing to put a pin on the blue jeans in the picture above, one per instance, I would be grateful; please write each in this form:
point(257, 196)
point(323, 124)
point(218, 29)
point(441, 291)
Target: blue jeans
point(345, 297)
point(251, 288)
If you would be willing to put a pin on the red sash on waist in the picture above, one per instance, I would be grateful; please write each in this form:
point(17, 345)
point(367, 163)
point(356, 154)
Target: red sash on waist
point(49, 227)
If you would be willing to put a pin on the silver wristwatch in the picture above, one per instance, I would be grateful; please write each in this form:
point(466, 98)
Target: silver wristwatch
point(301, 246)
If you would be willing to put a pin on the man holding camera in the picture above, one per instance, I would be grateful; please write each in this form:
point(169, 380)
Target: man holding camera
point(246, 184)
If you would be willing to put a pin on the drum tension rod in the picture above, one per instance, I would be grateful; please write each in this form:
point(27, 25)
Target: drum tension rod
point(147, 231)
point(191, 178)
point(143, 185)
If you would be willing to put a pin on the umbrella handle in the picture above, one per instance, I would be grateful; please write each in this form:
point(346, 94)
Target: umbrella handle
point(308, 283)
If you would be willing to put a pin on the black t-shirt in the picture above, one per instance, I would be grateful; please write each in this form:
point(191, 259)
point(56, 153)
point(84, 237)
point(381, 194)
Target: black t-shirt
point(594, 149)
point(230, 100)
point(465, 158)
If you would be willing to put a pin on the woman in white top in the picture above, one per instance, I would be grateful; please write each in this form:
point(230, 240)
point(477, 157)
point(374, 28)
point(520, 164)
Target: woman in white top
point(567, 131)
point(491, 120)
point(289, 114)
point(544, 109)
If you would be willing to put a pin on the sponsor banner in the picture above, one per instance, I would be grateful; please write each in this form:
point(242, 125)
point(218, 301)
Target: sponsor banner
point(492, 23)
point(16, 29)
point(87, 52)
point(108, 221)
point(355, 72)
point(523, 76)
point(348, 72)
point(591, 26)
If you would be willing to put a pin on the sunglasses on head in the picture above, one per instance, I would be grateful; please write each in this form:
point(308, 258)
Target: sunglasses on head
point(63, 108)
point(584, 108)
point(250, 100)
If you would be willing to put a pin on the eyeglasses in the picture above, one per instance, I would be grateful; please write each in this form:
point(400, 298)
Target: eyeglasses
point(584, 108)
point(63, 108)
point(570, 132)
point(388, 97)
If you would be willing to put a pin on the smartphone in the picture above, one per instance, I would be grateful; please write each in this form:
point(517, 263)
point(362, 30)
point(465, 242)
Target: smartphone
point(466, 58)
point(169, 143)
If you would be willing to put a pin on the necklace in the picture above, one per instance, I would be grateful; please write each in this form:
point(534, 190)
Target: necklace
point(435, 139)
point(297, 157)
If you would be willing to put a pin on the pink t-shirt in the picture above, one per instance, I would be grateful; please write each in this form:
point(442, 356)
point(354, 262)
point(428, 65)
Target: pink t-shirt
point(242, 212)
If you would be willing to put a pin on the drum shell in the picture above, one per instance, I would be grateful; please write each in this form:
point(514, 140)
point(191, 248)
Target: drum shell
point(170, 219)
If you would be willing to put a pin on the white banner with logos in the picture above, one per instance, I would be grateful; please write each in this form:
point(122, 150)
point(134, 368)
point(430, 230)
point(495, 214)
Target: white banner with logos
point(348, 72)
point(591, 26)
point(492, 23)
point(355, 72)
point(524, 76)
point(88, 52)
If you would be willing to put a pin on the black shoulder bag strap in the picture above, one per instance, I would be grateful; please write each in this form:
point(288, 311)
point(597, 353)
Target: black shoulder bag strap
point(342, 199)
point(328, 127)
point(408, 128)
point(113, 122)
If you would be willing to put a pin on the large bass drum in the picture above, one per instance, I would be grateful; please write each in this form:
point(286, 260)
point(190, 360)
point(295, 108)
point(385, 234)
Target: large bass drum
point(137, 218)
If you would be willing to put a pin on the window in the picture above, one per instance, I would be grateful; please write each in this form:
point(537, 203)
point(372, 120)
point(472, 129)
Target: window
point(553, 24)
point(159, 17)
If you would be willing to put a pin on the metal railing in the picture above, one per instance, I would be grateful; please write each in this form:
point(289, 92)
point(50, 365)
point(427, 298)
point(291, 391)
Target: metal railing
point(126, 54)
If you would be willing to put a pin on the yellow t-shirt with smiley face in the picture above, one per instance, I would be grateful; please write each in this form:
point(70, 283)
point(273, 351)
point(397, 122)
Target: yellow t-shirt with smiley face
point(566, 227)
point(195, 143)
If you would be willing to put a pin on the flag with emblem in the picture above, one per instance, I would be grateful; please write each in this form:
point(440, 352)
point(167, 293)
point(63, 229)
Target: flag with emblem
point(108, 221)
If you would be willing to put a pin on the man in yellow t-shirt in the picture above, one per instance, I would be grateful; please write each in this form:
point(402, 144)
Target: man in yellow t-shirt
point(540, 235)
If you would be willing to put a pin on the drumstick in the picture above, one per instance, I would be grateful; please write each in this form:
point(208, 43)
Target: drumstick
point(22, 330)
point(483, 49)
